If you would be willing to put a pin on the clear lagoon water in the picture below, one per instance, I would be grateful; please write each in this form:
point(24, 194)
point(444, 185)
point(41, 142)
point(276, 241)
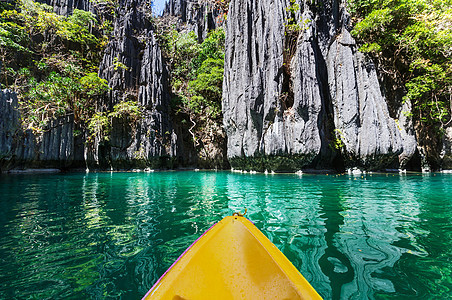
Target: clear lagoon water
point(112, 235)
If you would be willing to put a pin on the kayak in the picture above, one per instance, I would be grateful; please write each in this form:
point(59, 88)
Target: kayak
point(232, 260)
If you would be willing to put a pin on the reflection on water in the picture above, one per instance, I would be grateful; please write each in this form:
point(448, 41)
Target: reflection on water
point(111, 235)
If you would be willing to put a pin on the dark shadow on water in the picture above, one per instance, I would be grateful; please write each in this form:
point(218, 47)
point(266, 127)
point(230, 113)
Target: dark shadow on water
point(331, 209)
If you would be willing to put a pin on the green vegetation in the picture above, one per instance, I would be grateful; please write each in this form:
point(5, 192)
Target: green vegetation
point(292, 30)
point(206, 89)
point(52, 62)
point(412, 42)
point(196, 79)
point(99, 125)
point(338, 140)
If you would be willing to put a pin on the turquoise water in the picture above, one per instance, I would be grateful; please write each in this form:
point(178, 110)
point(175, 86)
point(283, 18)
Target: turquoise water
point(111, 235)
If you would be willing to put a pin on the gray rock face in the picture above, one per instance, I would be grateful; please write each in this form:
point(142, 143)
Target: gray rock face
point(134, 69)
point(66, 7)
point(447, 149)
point(9, 123)
point(370, 136)
point(406, 127)
point(257, 120)
point(176, 8)
point(335, 91)
point(57, 142)
point(19, 148)
point(121, 63)
point(197, 16)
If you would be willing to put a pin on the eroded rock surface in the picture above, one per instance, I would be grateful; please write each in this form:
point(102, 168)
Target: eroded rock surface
point(66, 7)
point(22, 148)
point(197, 16)
point(369, 135)
point(328, 104)
point(134, 69)
point(447, 149)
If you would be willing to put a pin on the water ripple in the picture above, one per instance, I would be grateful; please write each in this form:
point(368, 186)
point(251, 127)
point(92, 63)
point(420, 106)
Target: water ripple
point(111, 235)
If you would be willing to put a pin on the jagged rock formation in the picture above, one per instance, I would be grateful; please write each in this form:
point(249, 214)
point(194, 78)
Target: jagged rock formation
point(328, 100)
point(133, 66)
point(66, 7)
point(22, 148)
point(9, 123)
point(197, 16)
point(371, 137)
point(290, 102)
point(134, 69)
point(446, 154)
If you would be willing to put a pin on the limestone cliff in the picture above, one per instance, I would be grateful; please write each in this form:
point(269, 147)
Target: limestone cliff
point(133, 66)
point(197, 16)
point(66, 7)
point(54, 148)
point(318, 106)
point(134, 69)
point(297, 94)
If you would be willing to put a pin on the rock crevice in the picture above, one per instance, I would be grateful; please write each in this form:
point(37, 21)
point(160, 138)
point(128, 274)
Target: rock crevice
point(135, 71)
point(330, 107)
point(54, 148)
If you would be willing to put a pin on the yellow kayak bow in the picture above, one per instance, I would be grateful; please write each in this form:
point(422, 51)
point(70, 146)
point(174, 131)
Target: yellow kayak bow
point(232, 260)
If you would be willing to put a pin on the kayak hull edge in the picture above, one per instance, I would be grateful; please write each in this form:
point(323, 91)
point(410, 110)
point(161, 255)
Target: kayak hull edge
point(232, 260)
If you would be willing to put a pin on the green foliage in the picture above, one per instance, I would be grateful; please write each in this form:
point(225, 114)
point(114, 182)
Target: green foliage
point(93, 85)
point(197, 72)
point(372, 47)
point(57, 95)
point(412, 39)
point(183, 49)
point(12, 36)
point(374, 24)
point(100, 124)
point(118, 64)
point(337, 142)
point(291, 25)
point(211, 48)
point(126, 110)
point(77, 28)
point(207, 88)
point(196, 79)
point(46, 99)
point(293, 7)
point(51, 61)
point(34, 18)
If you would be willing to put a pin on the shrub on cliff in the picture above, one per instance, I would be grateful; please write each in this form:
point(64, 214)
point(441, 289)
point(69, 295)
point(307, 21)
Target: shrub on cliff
point(206, 89)
point(51, 61)
point(412, 41)
point(196, 71)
